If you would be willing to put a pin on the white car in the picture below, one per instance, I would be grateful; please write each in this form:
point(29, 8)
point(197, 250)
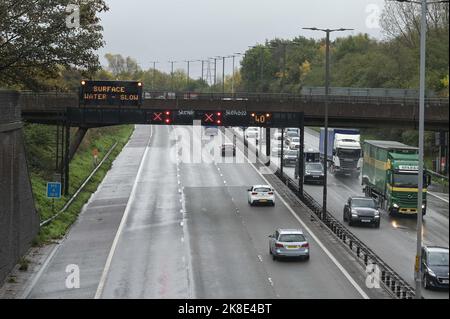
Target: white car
point(252, 132)
point(261, 194)
point(294, 143)
point(293, 129)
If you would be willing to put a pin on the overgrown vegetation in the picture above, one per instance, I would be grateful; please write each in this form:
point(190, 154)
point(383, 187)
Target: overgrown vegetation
point(41, 150)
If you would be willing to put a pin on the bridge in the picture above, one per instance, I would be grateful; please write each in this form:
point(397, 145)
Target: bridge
point(344, 110)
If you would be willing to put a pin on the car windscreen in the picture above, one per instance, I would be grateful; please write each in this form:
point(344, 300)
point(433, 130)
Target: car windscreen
point(314, 167)
point(349, 153)
point(291, 238)
point(408, 180)
point(262, 189)
point(361, 202)
point(438, 259)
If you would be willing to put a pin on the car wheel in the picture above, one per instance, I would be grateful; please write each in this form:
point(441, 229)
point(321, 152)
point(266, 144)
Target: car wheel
point(306, 258)
point(350, 223)
point(274, 257)
point(270, 250)
point(345, 218)
point(377, 225)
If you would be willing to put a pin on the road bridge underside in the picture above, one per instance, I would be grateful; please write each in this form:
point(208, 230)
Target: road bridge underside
point(343, 112)
point(340, 114)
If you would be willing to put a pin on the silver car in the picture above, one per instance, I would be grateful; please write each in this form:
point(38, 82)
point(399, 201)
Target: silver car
point(288, 243)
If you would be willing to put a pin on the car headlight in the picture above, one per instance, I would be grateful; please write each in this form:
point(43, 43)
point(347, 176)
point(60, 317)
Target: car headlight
point(354, 213)
point(377, 213)
point(431, 272)
point(423, 206)
point(307, 172)
point(395, 205)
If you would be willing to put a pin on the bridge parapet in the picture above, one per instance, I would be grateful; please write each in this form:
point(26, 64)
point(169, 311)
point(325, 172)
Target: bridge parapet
point(344, 110)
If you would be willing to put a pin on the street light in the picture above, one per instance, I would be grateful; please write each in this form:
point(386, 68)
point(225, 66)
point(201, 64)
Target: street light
point(284, 45)
point(153, 75)
point(232, 79)
point(261, 62)
point(423, 31)
point(171, 74)
point(327, 84)
point(188, 64)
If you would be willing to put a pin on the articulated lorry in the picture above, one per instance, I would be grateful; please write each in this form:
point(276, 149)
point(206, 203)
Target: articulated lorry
point(344, 150)
point(389, 175)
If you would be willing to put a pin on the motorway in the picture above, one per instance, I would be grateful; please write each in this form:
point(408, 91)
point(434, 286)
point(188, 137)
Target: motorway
point(166, 223)
point(395, 241)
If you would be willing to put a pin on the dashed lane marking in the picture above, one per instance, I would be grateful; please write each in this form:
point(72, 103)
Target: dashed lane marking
point(105, 272)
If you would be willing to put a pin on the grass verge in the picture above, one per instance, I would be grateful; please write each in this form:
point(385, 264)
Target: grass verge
point(80, 168)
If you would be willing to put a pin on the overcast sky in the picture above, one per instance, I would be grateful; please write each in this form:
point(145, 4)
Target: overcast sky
point(179, 30)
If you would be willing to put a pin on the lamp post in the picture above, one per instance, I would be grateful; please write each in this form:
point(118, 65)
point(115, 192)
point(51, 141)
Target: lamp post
point(171, 74)
point(232, 78)
point(153, 74)
point(423, 31)
point(284, 45)
point(223, 74)
point(261, 63)
point(327, 84)
point(215, 70)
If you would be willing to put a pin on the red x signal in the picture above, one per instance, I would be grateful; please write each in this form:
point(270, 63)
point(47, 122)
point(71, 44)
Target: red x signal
point(157, 116)
point(209, 117)
point(162, 117)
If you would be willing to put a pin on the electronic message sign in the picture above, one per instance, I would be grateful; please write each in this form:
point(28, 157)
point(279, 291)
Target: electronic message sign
point(114, 93)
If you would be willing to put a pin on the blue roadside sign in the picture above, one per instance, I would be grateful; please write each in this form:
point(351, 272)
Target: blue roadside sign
point(53, 190)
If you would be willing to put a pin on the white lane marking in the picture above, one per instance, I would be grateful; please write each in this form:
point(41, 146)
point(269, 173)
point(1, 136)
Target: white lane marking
point(441, 198)
point(101, 284)
point(321, 245)
point(327, 252)
point(271, 281)
point(260, 258)
point(30, 288)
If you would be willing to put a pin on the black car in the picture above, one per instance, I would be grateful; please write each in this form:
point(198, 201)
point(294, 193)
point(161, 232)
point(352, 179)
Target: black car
point(435, 267)
point(228, 149)
point(362, 210)
point(313, 173)
point(290, 157)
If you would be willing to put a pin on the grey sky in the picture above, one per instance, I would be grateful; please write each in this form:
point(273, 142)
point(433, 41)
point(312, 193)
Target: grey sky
point(163, 30)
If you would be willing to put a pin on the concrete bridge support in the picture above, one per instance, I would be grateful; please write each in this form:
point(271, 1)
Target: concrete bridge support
point(19, 221)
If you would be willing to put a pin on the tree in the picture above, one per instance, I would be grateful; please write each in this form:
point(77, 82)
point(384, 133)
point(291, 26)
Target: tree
point(35, 39)
point(401, 25)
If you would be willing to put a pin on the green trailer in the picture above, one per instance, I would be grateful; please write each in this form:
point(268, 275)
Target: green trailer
point(389, 175)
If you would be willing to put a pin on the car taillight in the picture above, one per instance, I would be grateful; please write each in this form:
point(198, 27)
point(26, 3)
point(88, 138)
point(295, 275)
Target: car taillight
point(305, 245)
point(254, 193)
point(279, 245)
point(270, 193)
